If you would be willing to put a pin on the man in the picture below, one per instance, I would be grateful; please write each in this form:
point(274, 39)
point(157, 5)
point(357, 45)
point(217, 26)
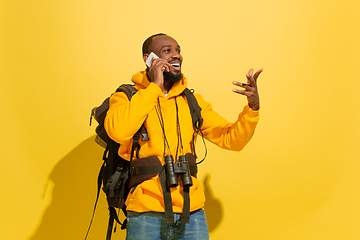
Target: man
point(165, 111)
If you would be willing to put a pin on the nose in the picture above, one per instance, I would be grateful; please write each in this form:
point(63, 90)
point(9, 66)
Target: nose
point(176, 54)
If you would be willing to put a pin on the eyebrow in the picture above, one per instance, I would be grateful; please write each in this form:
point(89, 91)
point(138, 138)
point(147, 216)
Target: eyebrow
point(168, 46)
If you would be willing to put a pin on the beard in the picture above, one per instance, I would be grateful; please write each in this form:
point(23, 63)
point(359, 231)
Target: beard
point(173, 77)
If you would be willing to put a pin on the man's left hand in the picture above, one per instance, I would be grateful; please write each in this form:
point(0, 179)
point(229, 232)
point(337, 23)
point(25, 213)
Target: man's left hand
point(250, 89)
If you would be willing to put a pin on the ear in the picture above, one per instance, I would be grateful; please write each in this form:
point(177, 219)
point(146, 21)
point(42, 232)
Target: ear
point(145, 56)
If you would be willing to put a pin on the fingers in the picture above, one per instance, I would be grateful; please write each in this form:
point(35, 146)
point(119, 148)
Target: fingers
point(243, 85)
point(256, 75)
point(160, 63)
point(250, 73)
point(247, 89)
point(253, 78)
point(158, 66)
point(250, 89)
point(251, 83)
point(242, 92)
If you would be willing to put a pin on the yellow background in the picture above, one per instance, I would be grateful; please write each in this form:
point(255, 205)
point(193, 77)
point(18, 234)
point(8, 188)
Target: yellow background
point(297, 179)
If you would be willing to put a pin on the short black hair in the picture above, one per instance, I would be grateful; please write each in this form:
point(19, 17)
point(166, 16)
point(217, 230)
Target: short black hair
point(148, 41)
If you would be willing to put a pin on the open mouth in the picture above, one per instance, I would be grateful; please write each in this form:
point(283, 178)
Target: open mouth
point(176, 66)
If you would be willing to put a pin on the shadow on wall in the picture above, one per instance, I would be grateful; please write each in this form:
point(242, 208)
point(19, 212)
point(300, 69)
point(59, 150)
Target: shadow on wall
point(73, 196)
point(213, 206)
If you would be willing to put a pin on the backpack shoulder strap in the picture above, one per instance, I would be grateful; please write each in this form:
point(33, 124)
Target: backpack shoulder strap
point(128, 89)
point(195, 109)
point(197, 120)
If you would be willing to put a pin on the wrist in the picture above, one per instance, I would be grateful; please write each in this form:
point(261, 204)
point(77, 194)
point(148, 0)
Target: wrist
point(254, 107)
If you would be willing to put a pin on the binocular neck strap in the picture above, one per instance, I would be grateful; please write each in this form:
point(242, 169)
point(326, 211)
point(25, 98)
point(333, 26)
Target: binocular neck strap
point(169, 214)
point(185, 217)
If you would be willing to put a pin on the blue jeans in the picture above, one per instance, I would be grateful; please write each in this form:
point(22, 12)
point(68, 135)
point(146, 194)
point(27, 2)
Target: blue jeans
point(153, 226)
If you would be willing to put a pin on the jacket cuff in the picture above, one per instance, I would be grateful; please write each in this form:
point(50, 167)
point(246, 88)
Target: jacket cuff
point(251, 113)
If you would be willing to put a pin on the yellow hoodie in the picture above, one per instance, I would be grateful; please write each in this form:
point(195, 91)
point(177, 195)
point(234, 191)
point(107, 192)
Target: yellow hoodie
point(125, 117)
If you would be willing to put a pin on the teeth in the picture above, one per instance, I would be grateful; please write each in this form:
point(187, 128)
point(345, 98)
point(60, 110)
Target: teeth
point(175, 64)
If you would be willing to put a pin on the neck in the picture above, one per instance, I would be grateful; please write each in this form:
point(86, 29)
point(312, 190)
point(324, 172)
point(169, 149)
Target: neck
point(167, 86)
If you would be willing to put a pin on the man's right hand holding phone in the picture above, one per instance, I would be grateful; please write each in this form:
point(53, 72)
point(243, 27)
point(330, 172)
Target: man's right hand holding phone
point(156, 68)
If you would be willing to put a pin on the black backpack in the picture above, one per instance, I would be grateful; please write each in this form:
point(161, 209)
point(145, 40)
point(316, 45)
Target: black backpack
point(116, 176)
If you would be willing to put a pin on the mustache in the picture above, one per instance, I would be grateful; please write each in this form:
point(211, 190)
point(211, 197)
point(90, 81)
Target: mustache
point(175, 61)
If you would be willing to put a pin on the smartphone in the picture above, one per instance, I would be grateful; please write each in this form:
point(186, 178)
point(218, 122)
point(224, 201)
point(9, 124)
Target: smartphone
point(149, 59)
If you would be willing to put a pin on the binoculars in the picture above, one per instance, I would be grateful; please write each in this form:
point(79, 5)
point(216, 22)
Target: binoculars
point(179, 167)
